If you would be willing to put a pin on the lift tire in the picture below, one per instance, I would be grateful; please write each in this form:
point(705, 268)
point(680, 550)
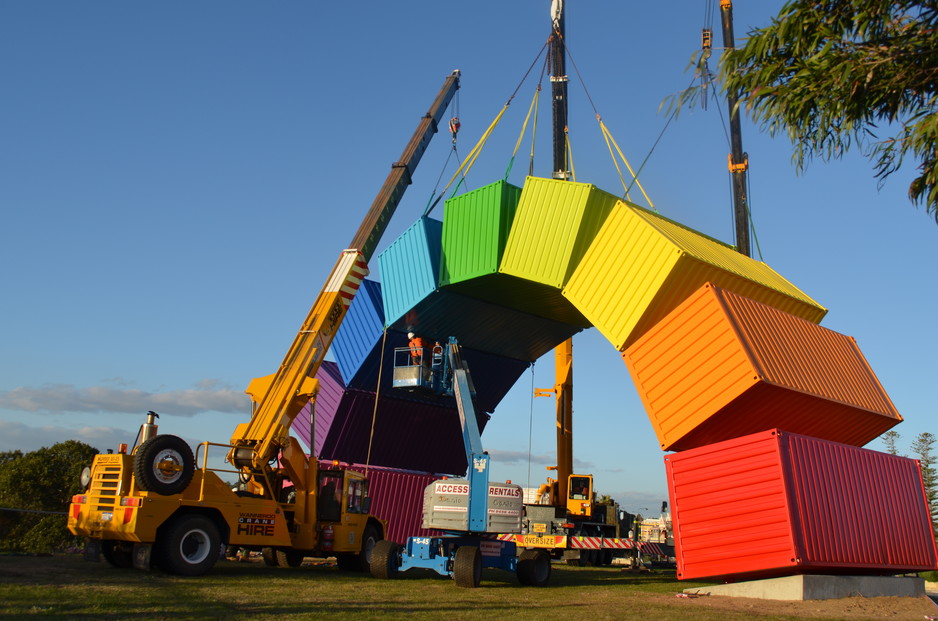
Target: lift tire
point(119, 554)
point(164, 464)
point(385, 559)
point(534, 568)
point(467, 567)
point(269, 555)
point(289, 558)
point(189, 545)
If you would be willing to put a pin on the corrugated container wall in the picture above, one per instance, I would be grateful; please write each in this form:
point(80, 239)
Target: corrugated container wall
point(642, 265)
point(774, 504)
point(721, 366)
point(410, 268)
point(360, 330)
point(403, 434)
point(476, 226)
point(331, 388)
point(554, 225)
point(475, 230)
point(397, 496)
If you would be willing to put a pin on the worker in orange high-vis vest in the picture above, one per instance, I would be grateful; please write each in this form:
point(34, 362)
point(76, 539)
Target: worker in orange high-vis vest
point(417, 345)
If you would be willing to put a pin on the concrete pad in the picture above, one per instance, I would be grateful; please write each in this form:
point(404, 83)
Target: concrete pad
point(804, 587)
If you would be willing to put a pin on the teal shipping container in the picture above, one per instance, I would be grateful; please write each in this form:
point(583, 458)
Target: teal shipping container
point(410, 268)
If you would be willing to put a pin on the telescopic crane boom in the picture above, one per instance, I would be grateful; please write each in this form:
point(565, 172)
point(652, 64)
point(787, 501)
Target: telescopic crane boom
point(280, 397)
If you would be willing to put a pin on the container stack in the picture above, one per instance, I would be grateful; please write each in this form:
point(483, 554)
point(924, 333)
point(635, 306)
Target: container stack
point(767, 409)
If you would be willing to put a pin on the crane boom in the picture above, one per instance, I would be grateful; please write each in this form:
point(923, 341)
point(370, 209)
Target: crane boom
point(279, 397)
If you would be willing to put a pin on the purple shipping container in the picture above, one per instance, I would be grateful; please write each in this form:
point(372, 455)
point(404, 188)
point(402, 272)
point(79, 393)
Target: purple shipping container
point(775, 504)
point(397, 496)
point(407, 435)
point(330, 394)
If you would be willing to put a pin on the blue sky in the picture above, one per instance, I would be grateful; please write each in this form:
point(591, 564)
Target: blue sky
point(178, 179)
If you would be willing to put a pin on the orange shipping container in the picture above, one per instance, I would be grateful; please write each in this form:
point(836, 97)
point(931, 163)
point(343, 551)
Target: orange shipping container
point(721, 366)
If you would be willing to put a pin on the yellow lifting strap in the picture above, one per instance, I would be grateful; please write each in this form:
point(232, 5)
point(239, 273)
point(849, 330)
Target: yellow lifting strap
point(610, 143)
point(532, 110)
point(566, 136)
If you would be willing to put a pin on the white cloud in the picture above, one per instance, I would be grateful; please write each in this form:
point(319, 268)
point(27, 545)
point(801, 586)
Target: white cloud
point(18, 436)
point(521, 457)
point(208, 396)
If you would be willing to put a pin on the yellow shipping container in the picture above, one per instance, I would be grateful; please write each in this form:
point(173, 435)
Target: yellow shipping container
point(553, 226)
point(641, 266)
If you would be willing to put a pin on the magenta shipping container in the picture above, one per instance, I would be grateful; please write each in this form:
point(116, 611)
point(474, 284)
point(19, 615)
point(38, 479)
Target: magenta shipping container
point(775, 504)
point(397, 496)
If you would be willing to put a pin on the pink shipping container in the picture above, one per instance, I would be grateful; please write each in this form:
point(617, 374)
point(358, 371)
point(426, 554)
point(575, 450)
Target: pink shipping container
point(397, 496)
point(775, 503)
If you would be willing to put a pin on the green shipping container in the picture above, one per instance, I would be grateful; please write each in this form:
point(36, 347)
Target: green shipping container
point(475, 231)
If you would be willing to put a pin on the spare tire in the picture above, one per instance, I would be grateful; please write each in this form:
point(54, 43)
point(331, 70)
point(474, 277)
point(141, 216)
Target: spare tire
point(164, 464)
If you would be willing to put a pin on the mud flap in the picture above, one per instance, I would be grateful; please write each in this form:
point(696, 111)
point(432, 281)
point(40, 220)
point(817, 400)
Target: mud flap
point(92, 550)
point(142, 555)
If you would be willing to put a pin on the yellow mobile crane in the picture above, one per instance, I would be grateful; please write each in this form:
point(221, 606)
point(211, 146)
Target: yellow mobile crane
point(156, 505)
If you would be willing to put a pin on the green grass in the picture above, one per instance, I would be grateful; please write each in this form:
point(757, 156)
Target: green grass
point(68, 587)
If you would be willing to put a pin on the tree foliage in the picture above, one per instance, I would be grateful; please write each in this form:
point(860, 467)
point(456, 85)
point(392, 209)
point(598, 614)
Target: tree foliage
point(923, 447)
point(838, 74)
point(35, 489)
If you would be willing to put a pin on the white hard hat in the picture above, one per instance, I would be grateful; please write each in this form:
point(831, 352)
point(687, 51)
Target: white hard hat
point(410, 335)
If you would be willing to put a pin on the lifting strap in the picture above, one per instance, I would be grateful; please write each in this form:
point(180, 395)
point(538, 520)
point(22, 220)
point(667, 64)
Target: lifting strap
point(532, 109)
point(610, 143)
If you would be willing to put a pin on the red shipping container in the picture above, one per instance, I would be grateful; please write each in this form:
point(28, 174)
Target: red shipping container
point(775, 503)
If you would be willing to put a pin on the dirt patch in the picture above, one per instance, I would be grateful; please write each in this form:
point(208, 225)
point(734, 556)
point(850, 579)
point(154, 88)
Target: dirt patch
point(846, 608)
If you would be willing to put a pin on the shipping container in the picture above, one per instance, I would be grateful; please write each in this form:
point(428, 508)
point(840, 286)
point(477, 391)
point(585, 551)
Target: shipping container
point(554, 225)
point(721, 365)
point(360, 330)
point(410, 268)
point(399, 433)
point(397, 496)
point(330, 393)
point(475, 231)
point(774, 503)
point(641, 265)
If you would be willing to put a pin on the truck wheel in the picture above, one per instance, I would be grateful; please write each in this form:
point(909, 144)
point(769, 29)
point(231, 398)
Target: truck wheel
point(385, 559)
point(467, 567)
point(118, 553)
point(289, 558)
point(534, 568)
point(189, 546)
point(362, 560)
point(270, 557)
point(164, 464)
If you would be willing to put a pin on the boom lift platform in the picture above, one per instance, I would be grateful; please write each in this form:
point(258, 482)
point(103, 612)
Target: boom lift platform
point(470, 511)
